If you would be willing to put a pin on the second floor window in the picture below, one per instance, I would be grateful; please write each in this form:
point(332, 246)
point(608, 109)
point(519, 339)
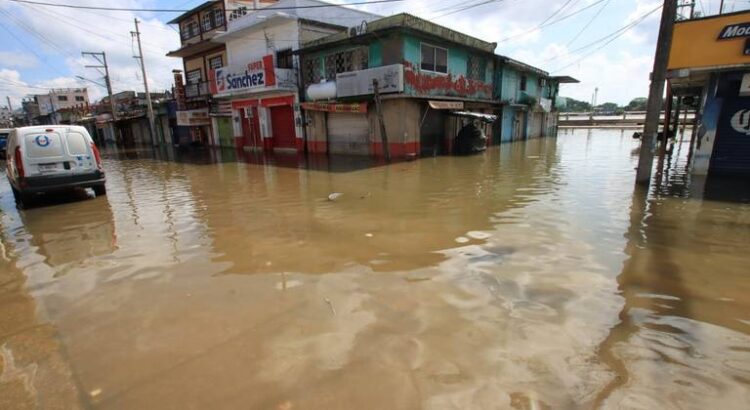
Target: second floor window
point(523, 83)
point(215, 62)
point(189, 30)
point(284, 59)
point(345, 61)
point(62, 98)
point(218, 18)
point(79, 98)
point(207, 23)
point(311, 70)
point(475, 67)
point(434, 59)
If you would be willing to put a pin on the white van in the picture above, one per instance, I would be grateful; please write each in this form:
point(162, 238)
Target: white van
point(52, 157)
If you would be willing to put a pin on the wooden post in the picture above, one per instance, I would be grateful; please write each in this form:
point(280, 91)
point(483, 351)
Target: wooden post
point(653, 107)
point(378, 107)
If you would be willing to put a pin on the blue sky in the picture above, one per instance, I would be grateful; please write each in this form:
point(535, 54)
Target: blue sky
point(40, 46)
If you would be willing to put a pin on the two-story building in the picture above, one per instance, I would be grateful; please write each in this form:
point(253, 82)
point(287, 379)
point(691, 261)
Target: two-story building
point(260, 84)
point(527, 95)
point(199, 56)
point(424, 72)
point(59, 105)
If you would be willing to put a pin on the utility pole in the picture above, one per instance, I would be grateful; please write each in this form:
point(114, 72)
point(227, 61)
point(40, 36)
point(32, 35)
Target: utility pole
point(151, 122)
point(656, 91)
point(379, 109)
point(102, 59)
point(10, 108)
point(721, 7)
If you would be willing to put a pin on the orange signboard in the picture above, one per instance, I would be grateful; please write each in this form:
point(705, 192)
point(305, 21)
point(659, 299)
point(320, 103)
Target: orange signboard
point(335, 107)
point(717, 41)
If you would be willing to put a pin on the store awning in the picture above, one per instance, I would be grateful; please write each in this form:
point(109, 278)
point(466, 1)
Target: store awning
point(488, 118)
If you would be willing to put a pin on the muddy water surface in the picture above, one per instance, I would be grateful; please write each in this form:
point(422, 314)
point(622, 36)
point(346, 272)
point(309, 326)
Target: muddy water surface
point(531, 276)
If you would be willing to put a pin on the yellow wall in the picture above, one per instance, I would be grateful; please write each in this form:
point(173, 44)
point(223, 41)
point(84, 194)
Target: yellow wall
point(695, 43)
point(195, 63)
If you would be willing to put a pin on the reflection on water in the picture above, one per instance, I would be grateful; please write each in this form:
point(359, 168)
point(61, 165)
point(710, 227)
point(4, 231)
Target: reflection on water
point(531, 276)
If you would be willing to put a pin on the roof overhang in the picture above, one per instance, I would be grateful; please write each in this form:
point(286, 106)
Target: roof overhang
point(193, 49)
point(565, 79)
point(192, 11)
point(255, 23)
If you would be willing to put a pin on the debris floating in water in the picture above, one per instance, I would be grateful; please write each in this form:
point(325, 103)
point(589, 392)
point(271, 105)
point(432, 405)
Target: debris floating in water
point(334, 196)
point(95, 392)
point(369, 235)
point(330, 305)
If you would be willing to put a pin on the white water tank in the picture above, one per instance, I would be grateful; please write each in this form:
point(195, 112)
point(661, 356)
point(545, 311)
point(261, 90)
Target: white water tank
point(322, 91)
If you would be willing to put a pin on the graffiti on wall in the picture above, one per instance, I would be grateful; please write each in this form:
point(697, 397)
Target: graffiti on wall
point(423, 83)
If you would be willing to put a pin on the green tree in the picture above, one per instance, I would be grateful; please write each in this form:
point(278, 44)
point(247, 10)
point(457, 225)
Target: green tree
point(637, 104)
point(573, 105)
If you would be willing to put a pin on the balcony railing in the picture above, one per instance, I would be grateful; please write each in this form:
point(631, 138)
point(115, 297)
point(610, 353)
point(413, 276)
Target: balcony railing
point(197, 89)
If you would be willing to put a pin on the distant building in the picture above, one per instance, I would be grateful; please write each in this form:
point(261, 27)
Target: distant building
point(6, 117)
point(59, 106)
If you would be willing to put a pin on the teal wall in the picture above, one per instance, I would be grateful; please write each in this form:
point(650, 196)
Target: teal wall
point(507, 124)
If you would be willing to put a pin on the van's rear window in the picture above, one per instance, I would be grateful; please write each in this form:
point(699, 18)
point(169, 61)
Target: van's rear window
point(4, 135)
point(43, 145)
point(77, 143)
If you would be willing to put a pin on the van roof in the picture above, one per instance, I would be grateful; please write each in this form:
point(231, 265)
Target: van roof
point(42, 128)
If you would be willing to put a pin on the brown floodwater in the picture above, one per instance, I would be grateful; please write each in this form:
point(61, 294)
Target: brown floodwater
point(532, 276)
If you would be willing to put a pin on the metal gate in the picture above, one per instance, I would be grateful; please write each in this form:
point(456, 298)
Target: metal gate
point(348, 133)
point(731, 153)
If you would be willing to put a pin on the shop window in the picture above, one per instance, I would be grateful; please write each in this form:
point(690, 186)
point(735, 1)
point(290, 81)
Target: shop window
point(345, 61)
point(284, 59)
point(311, 71)
point(523, 83)
point(193, 77)
point(215, 62)
point(434, 59)
point(475, 68)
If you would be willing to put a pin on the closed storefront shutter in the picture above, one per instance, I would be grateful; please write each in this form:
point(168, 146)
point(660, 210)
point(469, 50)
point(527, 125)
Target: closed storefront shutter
point(348, 133)
point(731, 154)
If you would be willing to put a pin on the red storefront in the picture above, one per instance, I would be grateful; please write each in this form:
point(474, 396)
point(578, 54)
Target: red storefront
point(264, 102)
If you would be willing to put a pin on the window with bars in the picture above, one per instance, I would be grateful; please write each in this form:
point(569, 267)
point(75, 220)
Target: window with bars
point(434, 59)
point(522, 85)
point(207, 23)
point(218, 18)
point(311, 70)
point(193, 77)
point(345, 61)
point(189, 30)
point(215, 62)
point(475, 67)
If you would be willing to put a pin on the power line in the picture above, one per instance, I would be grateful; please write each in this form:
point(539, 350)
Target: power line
point(481, 3)
point(555, 13)
point(75, 6)
point(540, 26)
point(54, 67)
point(588, 24)
point(619, 33)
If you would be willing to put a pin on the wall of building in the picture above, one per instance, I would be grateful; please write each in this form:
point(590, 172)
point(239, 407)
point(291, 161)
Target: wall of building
point(262, 41)
point(709, 122)
point(453, 84)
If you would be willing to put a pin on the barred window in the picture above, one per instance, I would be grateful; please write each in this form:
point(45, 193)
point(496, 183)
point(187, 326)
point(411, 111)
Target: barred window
point(345, 61)
point(311, 73)
point(475, 68)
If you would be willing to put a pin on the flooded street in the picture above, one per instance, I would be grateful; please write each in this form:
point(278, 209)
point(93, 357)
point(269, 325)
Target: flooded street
point(531, 276)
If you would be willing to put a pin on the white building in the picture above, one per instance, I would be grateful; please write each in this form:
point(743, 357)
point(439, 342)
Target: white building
point(6, 117)
point(260, 84)
point(60, 100)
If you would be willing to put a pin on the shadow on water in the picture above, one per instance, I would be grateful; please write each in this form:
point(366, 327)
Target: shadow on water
point(284, 159)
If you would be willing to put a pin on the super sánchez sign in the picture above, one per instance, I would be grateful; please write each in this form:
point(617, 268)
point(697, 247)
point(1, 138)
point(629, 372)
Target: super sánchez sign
point(253, 75)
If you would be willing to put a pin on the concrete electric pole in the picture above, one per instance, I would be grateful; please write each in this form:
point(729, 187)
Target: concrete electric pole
point(656, 92)
point(102, 59)
point(151, 122)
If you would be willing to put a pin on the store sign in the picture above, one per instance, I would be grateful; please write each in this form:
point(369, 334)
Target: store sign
point(193, 117)
point(446, 105)
point(718, 41)
point(334, 107)
point(735, 31)
point(390, 80)
point(238, 78)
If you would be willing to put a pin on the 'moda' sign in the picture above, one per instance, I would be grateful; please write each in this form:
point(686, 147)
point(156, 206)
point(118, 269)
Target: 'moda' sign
point(735, 31)
point(257, 74)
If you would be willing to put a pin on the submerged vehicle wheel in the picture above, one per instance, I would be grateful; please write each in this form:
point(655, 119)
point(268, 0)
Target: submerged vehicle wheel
point(100, 190)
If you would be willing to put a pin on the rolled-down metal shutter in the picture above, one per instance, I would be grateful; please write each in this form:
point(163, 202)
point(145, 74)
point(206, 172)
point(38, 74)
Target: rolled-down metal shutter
point(731, 153)
point(348, 133)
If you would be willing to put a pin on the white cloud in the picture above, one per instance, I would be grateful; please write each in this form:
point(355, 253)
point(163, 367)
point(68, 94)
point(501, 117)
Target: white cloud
point(18, 59)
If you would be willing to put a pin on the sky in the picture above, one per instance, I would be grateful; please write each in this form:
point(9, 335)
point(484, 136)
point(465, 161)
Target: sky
point(40, 46)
